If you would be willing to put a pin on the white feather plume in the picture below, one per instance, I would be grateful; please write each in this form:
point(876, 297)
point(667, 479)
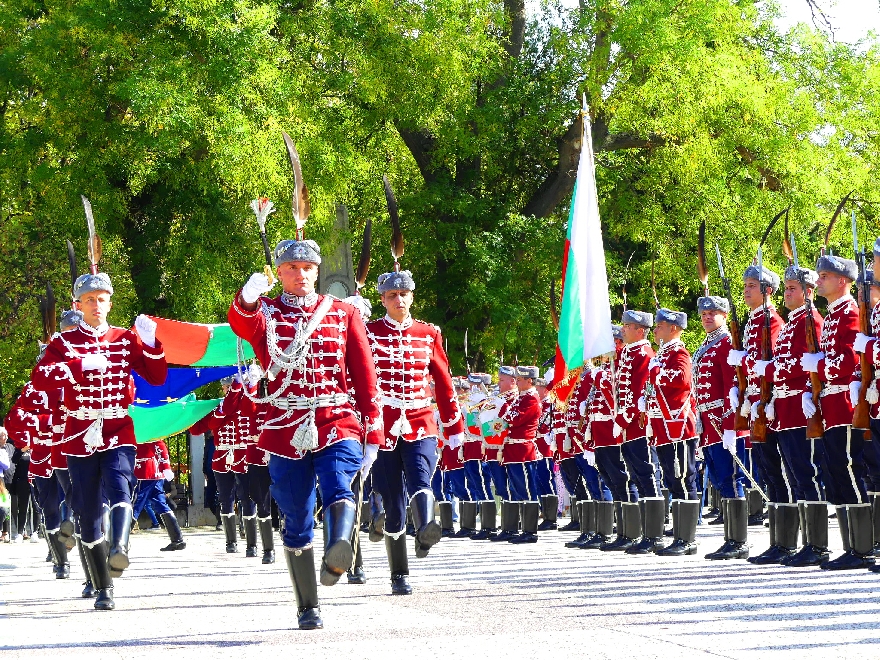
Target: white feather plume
point(262, 208)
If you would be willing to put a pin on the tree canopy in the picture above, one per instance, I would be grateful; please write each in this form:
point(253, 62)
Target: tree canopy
point(168, 116)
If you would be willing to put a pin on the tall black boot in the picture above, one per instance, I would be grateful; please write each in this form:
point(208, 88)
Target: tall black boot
point(120, 527)
point(717, 504)
point(619, 539)
point(467, 512)
point(531, 511)
point(653, 520)
point(96, 558)
point(756, 506)
point(428, 532)
point(377, 518)
point(574, 524)
point(685, 514)
point(398, 563)
point(301, 566)
point(447, 527)
point(550, 507)
point(59, 555)
point(815, 549)
point(67, 530)
point(174, 533)
point(88, 588)
point(229, 528)
point(736, 513)
point(488, 520)
point(267, 538)
point(509, 521)
point(774, 554)
point(250, 535)
point(338, 525)
point(356, 575)
point(629, 527)
point(410, 527)
point(875, 519)
point(604, 525)
point(365, 516)
point(784, 525)
point(587, 517)
point(859, 547)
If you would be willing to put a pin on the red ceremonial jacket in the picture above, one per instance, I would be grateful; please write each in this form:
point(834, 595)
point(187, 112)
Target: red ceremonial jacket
point(231, 424)
point(405, 355)
point(670, 406)
point(545, 428)
point(713, 378)
point(256, 417)
point(632, 374)
point(450, 459)
point(752, 337)
point(522, 417)
point(872, 350)
point(840, 366)
point(151, 460)
point(789, 379)
point(472, 449)
point(29, 425)
point(89, 395)
point(599, 428)
point(336, 354)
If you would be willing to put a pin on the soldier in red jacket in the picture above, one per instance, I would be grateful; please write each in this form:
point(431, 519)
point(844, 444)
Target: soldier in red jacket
point(838, 369)
point(151, 467)
point(406, 353)
point(785, 414)
point(545, 483)
point(669, 404)
point(313, 348)
point(93, 363)
point(474, 401)
point(257, 460)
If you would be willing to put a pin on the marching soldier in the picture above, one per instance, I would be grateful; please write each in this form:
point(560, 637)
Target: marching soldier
point(495, 430)
point(546, 444)
point(93, 362)
point(843, 467)
point(801, 455)
point(312, 347)
point(152, 466)
point(668, 403)
point(472, 456)
point(406, 353)
point(257, 461)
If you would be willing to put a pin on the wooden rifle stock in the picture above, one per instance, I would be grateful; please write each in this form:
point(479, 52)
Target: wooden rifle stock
point(741, 423)
point(815, 425)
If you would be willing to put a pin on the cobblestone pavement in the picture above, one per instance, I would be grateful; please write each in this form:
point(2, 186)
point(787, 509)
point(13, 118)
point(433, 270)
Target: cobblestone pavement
point(472, 599)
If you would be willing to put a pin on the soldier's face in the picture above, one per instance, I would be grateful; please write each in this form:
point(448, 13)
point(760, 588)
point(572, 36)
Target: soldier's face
point(397, 303)
point(832, 284)
point(298, 277)
point(793, 295)
point(633, 333)
point(95, 306)
point(523, 384)
point(506, 383)
point(712, 319)
point(752, 293)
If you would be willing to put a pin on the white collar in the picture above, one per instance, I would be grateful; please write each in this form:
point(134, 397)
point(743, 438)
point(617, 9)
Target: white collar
point(403, 325)
point(531, 390)
point(717, 332)
point(299, 301)
point(673, 342)
point(840, 302)
point(100, 331)
point(640, 342)
point(760, 308)
point(797, 311)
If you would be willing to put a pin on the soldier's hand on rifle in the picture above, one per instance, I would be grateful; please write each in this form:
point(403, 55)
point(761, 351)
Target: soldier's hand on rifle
point(590, 456)
point(168, 475)
point(854, 389)
point(617, 430)
point(733, 397)
point(735, 358)
point(371, 452)
point(582, 408)
point(642, 404)
point(146, 330)
point(861, 342)
point(807, 405)
point(455, 440)
point(754, 410)
point(761, 366)
point(810, 361)
point(255, 287)
point(95, 362)
point(729, 441)
point(653, 363)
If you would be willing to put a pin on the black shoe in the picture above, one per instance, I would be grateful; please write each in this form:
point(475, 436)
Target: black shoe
point(464, 533)
point(548, 525)
point(268, 556)
point(620, 544)
point(250, 551)
point(756, 520)
point(807, 556)
point(595, 542)
point(88, 590)
point(400, 586)
point(579, 541)
point(730, 550)
point(572, 526)
point(848, 561)
point(309, 619)
point(525, 537)
point(104, 600)
point(484, 535)
point(646, 546)
point(447, 533)
point(678, 548)
point(773, 555)
point(718, 521)
point(174, 545)
point(357, 576)
point(503, 536)
point(62, 571)
point(301, 567)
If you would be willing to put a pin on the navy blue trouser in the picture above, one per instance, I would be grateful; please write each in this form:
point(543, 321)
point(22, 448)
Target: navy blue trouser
point(802, 459)
point(454, 484)
point(609, 461)
point(638, 457)
point(105, 474)
point(679, 465)
point(473, 478)
point(437, 486)
point(872, 459)
point(259, 483)
point(521, 481)
point(49, 496)
point(400, 473)
point(768, 458)
point(843, 465)
point(573, 479)
point(231, 485)
point(499, 479)
point(294, 485)
point(596, 487)
point(150, 491)
point(544, 484)
point(724, 473)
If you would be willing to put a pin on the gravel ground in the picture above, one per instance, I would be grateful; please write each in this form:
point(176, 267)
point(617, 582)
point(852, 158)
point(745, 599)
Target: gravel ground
point(471, 599)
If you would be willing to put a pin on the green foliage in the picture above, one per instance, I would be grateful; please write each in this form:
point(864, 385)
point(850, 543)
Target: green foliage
point(167, 115)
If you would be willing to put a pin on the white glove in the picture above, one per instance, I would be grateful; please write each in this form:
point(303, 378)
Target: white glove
point(729, 441)
point(168, 475)
point(255, 287)
point(591, 457)
point(95, 362)
point(146, 329)
point(476, 397)
point(733, 397)
point(371, 452)
point(861, 342)
point(807, 405)
point(361, 304)
point(810, 361)
point(754, 410)
point(582, 409)
point(254, 374)
point(552, 445)
point(455, 440)
point(761, 366)
point(617, 430)
point(854, 389)
point(654, 362)
point(735, 358)
point(642, 404)
point(595, 371)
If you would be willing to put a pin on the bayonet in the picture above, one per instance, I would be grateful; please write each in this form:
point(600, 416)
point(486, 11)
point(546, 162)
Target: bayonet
point(94, 239)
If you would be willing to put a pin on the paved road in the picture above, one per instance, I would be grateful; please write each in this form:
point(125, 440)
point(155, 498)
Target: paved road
point(471, 600)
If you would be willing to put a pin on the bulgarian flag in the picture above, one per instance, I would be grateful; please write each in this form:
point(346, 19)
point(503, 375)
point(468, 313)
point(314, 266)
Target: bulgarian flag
point(585, 318)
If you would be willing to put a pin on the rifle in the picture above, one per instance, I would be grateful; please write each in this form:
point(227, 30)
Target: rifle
point(741, 423)
point(815, 425)
point(862, 410)
point(759, 424)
